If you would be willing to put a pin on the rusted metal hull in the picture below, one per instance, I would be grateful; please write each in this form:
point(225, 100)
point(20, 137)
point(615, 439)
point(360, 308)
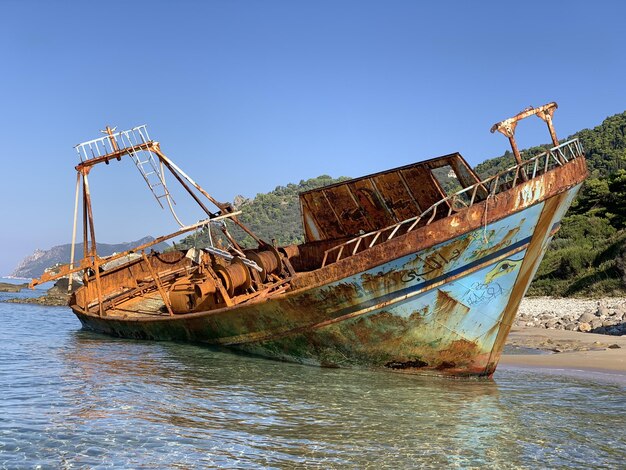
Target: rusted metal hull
point(396, 272)
point(440, 299)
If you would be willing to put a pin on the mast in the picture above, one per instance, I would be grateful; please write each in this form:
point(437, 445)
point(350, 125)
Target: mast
point(147, 156)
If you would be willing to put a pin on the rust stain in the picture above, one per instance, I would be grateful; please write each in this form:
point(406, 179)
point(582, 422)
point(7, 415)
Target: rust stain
point(375, 201)
point(289, 303)
point(506, 241)
point(397, 198)
point(437, 263)
point(460, 353)
point(442, 230)
point(526, 273)
point(447, 308)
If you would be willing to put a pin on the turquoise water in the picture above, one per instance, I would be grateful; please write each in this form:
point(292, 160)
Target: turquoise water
point(70, 398)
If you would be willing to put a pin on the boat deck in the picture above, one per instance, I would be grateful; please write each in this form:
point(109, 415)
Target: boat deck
point(149, 305)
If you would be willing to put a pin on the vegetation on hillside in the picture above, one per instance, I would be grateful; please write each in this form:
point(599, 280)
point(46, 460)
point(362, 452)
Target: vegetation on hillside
point(587, 256)
point(271, 216)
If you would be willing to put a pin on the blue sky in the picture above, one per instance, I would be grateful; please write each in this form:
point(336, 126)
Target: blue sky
point(248, 95)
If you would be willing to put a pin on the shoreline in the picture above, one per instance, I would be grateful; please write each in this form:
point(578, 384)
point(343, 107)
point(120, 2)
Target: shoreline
point(585, 355)
point(535, 341)
point(12, 288)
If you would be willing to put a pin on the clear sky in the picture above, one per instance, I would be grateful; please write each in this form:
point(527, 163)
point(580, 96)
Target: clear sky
point(248, 95)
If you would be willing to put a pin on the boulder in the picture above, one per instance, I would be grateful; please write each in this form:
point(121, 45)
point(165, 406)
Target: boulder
point(584, 326)
point(587, 317)
point(596, 323)
point(551, 324)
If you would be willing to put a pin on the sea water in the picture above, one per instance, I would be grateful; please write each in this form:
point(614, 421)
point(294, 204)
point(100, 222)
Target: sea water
point(75, 399)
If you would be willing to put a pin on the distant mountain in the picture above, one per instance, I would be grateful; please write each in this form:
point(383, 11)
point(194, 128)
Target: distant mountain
point(35, 264)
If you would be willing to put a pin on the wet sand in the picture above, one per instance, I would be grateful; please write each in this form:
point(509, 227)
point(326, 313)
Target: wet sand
point(567, 350)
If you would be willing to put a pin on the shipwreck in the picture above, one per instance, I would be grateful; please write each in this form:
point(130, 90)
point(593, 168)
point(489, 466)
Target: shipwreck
point(395, 272)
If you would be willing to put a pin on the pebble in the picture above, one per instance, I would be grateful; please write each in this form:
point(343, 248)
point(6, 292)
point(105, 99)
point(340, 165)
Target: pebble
point(603, 316)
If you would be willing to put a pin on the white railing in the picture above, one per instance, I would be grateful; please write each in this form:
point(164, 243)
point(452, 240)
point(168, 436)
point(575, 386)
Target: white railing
point(112, 143)
point(467, 197)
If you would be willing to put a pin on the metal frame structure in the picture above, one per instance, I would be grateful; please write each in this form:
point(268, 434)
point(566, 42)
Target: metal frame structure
point(433, 287)
point(137, 144)
point(505, 180)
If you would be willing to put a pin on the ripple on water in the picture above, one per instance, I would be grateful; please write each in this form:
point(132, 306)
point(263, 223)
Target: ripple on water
point(73, 398)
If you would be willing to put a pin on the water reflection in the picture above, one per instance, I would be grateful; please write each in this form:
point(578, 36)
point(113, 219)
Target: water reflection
point(77, 398)
point(291, 413)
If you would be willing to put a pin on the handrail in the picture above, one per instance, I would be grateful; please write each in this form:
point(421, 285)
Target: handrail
point(555, 156)
point(95, 148)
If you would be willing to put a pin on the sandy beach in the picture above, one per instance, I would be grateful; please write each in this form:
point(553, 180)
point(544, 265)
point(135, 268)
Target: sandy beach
point(569, 334)
point(566, 351)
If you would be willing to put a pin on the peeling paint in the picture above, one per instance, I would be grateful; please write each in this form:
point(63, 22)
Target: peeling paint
point(434, 296)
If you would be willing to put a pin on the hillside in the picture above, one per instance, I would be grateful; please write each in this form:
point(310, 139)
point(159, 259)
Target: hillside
point(587, 257)
point(274, 215)
point(35, 264)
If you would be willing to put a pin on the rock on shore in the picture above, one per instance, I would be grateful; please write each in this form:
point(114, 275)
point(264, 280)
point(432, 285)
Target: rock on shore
point(56, 296)
point(604, 316)
point(8, 287)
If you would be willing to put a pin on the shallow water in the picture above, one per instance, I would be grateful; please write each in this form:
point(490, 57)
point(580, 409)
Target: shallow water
point(70, 398)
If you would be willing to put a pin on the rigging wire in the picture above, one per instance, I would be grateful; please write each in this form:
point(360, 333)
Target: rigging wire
point(168, 196)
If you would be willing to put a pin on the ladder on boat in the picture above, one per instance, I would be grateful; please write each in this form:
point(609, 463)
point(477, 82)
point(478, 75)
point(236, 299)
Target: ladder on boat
point(133, 142)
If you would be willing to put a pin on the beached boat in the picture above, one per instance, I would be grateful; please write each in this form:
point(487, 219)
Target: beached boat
point(395, 272)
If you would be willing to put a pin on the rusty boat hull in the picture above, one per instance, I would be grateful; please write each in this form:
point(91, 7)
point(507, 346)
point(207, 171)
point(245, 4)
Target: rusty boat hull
point(443, 304)
point(400, 270)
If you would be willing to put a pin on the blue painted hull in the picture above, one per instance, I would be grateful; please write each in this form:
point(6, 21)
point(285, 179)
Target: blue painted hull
point(446, 309)
point(440, 310)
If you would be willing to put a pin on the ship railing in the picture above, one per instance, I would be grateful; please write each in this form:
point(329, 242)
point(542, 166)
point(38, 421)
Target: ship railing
point(467, 197)
point(113, 143)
